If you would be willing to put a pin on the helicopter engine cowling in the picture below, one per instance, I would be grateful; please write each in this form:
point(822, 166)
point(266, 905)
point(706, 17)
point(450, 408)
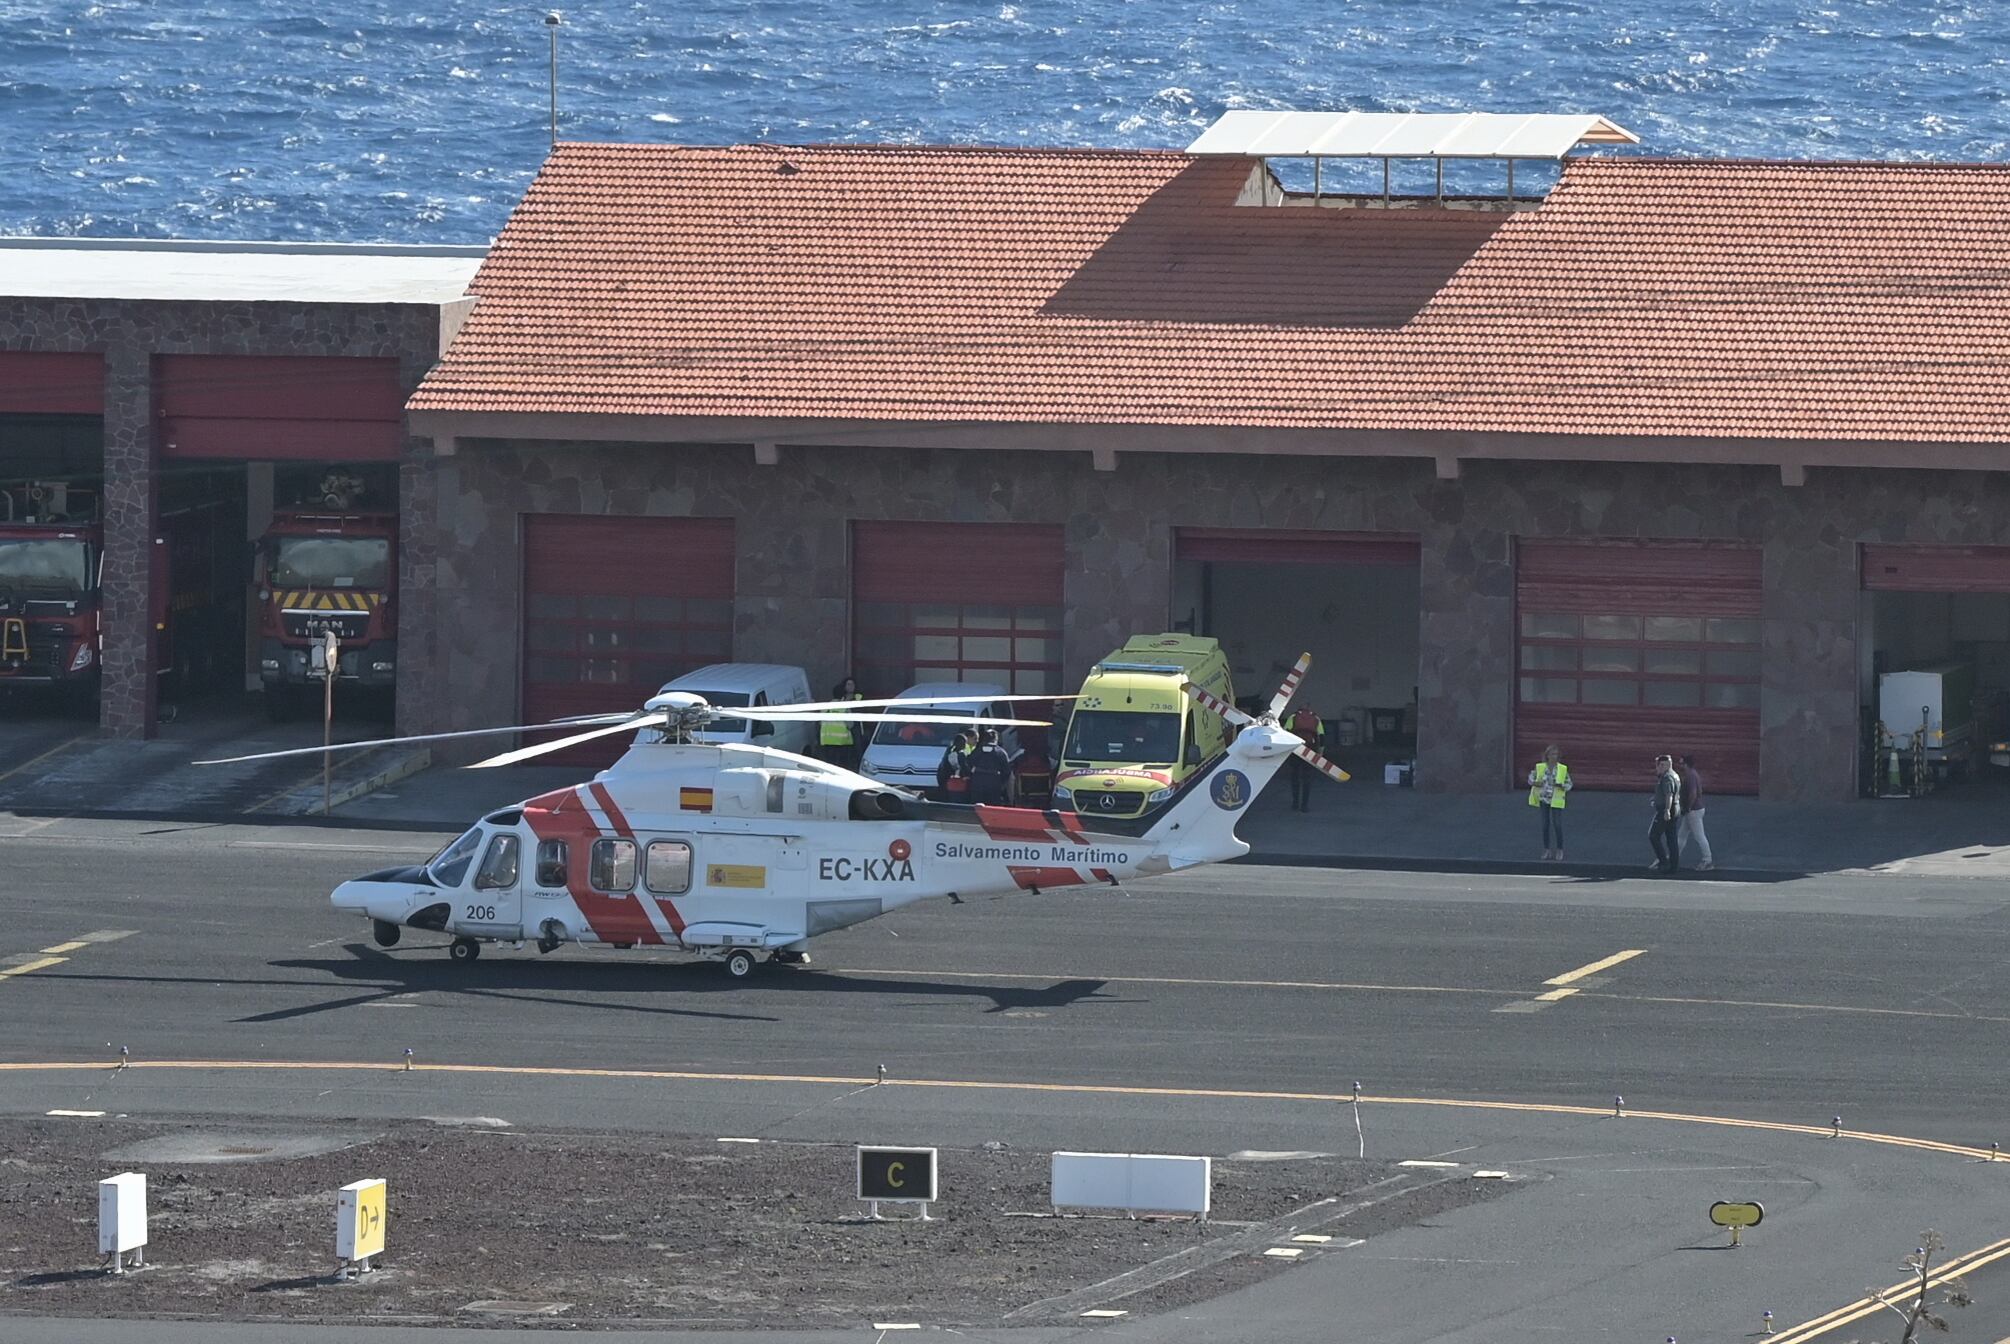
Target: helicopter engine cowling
point(801, 795)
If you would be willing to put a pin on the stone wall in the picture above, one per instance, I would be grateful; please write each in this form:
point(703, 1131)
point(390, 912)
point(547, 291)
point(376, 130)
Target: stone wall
point(793, 578)
point(128, 333)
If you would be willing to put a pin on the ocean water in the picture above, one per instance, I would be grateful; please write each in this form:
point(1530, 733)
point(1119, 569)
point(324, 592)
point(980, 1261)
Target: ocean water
point(422, 121)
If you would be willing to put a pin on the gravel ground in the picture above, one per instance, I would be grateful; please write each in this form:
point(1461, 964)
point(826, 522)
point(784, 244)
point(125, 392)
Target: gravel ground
point(587, 1227)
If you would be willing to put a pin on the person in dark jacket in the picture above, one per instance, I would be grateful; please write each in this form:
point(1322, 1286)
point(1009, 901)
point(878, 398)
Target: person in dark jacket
point(952, 777)
point(1665, 833)
point(1692, 812)
point(990, 769)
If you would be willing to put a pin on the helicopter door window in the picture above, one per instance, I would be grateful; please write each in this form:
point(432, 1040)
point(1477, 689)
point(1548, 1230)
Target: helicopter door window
point(551, 863)
point(669, 867)
point(499, 865)
point(613, 866)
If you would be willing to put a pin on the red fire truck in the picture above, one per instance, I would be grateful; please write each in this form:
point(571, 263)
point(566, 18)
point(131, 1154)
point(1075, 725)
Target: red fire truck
point(51, 553)
point(319, 572)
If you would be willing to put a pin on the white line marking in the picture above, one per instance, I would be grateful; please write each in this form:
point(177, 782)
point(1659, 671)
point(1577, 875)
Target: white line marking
point(1424, 1162)
point(1595, 967)
point(78, 1115)
point(353, 849)
point(106, 935)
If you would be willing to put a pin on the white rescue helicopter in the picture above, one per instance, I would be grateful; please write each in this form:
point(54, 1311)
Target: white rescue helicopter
point(739, 853)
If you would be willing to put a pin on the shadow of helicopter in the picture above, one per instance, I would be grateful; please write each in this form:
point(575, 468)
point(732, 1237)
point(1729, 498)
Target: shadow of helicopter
point(599, 985)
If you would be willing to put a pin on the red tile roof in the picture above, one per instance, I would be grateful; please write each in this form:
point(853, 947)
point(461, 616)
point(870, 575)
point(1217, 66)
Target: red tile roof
point(1684, 297)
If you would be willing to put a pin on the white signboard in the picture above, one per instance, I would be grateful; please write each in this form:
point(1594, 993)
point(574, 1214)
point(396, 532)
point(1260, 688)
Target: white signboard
point(1137, 1182)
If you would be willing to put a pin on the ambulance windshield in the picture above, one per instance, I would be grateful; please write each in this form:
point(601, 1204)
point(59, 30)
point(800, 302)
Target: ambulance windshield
point(1111, 735)
point(449, 867)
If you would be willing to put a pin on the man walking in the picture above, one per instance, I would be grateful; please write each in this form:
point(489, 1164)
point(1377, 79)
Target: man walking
point(1304, 724)
point(1664, 834)
point(1692, 813)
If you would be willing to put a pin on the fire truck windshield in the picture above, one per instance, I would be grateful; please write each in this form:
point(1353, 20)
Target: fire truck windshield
point(50, 568)
point(332, 562)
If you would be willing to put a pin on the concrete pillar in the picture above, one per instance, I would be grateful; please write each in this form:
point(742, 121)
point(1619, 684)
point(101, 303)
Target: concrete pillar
point(1118, 584)
point(1466, 652)
point(420, 673)
point(1808, 687)
point(133, 564)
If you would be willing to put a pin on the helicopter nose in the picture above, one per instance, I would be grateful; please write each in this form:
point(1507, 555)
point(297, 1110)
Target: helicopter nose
point(351, 897)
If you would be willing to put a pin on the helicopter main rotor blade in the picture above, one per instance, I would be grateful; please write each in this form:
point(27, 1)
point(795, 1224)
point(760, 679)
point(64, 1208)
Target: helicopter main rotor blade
point(545, 748)
point(794, 715)
point(623, 718)
point(820, 705)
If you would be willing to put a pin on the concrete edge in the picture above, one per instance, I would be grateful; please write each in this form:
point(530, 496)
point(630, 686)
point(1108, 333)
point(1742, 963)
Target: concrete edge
point(1582, 872)
point(402, 767)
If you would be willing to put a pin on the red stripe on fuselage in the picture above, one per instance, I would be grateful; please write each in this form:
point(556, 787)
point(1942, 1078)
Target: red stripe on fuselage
point(613, 919)
point(623, 829)
point(1015, 823)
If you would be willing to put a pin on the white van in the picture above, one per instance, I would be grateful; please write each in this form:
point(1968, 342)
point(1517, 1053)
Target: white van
point(906, 754)
point(755, 686)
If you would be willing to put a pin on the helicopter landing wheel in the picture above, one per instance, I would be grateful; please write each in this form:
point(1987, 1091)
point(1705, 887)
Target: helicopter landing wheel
point(739, 963)
point(782, 956)
point(385, 932)
point(465, 949)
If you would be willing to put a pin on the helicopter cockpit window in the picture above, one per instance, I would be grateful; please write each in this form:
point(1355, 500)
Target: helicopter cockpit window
point(669, 869)
point(551, 863)
point(498, 865)
point(450, 867)
point(613, 865)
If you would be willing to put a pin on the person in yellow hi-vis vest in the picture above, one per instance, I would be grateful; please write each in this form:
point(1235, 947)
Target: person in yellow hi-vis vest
point(1548, 787)
point(840, 738)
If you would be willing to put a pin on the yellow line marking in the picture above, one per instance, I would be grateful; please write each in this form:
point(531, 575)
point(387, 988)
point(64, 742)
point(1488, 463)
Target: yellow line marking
point(1595, 967)
point(1904, 1290)
point(65, 947)
point(37, 760)
point(1554, 995)
point(39, 964)
point(1001, 1085)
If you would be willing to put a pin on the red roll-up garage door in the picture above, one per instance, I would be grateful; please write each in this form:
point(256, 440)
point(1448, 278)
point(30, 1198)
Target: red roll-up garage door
point(1630, 649)
point(1260, 546)
point(615, 607)
point(279, 407)
point(1936, 569)
point(957, 602)
point(34, 382)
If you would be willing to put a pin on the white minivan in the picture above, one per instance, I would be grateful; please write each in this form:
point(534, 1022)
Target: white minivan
point(907, 754)
point(753, 686)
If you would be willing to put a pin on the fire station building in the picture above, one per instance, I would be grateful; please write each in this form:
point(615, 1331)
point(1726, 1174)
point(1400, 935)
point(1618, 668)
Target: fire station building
point(1676, 456)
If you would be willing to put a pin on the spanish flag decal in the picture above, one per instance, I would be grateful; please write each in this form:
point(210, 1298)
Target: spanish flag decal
point(694, 800)
point(736, 875)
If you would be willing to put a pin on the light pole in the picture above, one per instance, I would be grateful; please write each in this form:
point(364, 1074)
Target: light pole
point(551, 22)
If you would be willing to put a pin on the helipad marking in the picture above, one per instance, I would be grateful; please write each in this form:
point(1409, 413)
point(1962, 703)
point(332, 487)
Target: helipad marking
point(1595, 967)
point(994, 1085)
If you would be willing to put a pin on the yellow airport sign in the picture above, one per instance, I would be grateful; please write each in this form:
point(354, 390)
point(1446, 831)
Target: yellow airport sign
point(359, 1220)
point(1737, 1215)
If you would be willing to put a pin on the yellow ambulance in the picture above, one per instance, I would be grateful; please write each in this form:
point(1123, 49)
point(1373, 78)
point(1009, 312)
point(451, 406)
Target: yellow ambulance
point(1134, 736)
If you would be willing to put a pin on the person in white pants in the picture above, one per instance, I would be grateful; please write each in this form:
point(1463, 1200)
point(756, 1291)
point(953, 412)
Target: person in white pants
point(1692, 814)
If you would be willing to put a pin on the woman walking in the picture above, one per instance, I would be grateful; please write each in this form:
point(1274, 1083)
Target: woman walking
point(1548, 788)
